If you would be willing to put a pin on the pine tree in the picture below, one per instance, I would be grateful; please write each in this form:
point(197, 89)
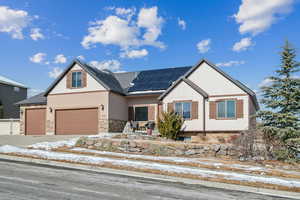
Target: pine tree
point(281, 119)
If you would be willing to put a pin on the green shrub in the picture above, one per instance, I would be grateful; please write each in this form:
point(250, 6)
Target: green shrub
point(170, 125)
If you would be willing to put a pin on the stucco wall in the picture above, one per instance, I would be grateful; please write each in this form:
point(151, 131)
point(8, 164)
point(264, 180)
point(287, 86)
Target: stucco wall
point(183, 92)
point(118, 107)
point(144, 101)
point(228, 125)
point(78, 100)
point(212, 82)
point(92, 84)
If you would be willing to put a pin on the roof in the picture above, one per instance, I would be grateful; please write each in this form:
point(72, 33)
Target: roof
point(234, 81)
point(146, 82)
point(158, 79)
point(38, 99)
point(8, 81)
point(104, 77)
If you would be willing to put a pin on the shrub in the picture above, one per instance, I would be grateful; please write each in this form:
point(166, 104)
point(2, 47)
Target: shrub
point(170, 125)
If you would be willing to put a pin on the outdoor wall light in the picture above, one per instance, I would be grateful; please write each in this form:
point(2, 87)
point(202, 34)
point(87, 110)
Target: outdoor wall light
point(50, 110)
point(21, 111)
point(102, 107)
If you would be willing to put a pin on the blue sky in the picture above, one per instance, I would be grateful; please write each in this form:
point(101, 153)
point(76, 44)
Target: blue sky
point(39, 38)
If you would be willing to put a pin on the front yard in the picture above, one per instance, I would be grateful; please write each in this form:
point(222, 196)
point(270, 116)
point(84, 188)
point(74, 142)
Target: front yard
point(262, 174)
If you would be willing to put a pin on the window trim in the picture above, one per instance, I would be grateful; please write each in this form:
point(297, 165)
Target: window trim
point(76, 71)
point(226, 118)
point(183, 101)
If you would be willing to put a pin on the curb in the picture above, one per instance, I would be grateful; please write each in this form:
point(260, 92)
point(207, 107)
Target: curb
point(226, 186)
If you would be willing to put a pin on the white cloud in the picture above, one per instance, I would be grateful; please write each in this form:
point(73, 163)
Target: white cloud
point(55, 72)
point(265, 82)
point(32, 92)
point(126, 12)
point(60, 59)
point(124, 31)
point(181, 23)
point(81, 57)
point(242, 45)
point(13, 21)
point(36, 34)
point(148, 18)
point(256, 16)
point(230, 63)
point(38, 58)
point(112, 30)
point(134, 53)
point(113, 65)
point(204, 46)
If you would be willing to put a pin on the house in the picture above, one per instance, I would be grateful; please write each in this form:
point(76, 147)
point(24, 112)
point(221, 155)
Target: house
point(11, 92)
point(85, 100)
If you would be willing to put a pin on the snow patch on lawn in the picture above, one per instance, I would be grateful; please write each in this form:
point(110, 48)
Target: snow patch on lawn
point(66, 143)
point(71, 157)
point(169, 159)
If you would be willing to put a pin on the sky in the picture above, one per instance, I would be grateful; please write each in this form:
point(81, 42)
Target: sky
point(38, 39)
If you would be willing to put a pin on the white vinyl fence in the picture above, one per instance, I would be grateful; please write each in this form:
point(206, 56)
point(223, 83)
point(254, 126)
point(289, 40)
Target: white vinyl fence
point(9, 126)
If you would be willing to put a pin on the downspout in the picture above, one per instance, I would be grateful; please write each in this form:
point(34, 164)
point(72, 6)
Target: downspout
point(204, 121)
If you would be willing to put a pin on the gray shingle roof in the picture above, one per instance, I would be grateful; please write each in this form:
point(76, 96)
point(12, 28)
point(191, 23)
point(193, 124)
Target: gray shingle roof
point(8, 81)
point(38, 99)
point(125, 79)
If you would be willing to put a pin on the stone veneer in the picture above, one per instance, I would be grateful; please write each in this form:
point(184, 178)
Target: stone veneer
point(116, 125)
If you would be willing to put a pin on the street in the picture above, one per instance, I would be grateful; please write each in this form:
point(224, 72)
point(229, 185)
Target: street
point(25, 181)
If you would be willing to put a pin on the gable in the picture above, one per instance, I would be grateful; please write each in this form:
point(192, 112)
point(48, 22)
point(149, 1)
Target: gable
point(182, 91)
point(212, 81)
point(91, 83)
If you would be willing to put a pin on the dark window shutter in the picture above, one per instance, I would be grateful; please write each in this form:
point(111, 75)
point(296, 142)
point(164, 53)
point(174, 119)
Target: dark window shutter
point(170, 107)
point(84, 77)
point(151, 113)
point(69, 80)
point(239, 108)
point(212, 110)
point(194, 110)
point(130, 113)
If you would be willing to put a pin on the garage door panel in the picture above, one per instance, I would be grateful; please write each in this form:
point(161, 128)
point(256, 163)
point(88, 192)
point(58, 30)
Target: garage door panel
point(76, 121)
point(35, 121)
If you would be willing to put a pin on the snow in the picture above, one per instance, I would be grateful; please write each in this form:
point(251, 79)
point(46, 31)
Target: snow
point(54, 145)
point(66, 143)
point(170, 159)
point(71, 157)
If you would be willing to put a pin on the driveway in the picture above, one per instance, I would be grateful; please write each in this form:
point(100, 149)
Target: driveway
point(22, 141)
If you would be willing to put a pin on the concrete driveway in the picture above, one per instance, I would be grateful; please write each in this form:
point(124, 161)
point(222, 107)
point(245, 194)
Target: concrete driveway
point(22, 141)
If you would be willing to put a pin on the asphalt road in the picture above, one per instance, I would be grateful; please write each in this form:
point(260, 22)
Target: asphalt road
point(27, 181)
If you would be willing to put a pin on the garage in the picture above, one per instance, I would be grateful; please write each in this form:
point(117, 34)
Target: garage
point(76, 121)
point(35, 121)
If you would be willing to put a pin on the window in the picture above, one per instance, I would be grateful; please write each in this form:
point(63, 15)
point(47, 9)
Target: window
point(16, 89)
point(76, 79)
point(141, 113)
point(183, 109)
point(226, 109)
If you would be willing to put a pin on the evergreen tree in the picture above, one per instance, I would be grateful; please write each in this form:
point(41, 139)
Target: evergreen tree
point(281, 119)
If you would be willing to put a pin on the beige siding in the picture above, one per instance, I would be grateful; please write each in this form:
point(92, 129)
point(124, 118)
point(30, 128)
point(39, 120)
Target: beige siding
point(76, 100)
point(184, 92)
point(118, 107)
point(92, 84)
point(212, 82)
point(9, 127)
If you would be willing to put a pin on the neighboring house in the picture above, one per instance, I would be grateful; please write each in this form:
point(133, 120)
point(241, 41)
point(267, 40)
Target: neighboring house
point(11, 92)
point(85, 100)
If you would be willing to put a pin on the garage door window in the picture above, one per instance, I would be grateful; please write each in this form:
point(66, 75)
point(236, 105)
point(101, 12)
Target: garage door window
point(76, 79)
